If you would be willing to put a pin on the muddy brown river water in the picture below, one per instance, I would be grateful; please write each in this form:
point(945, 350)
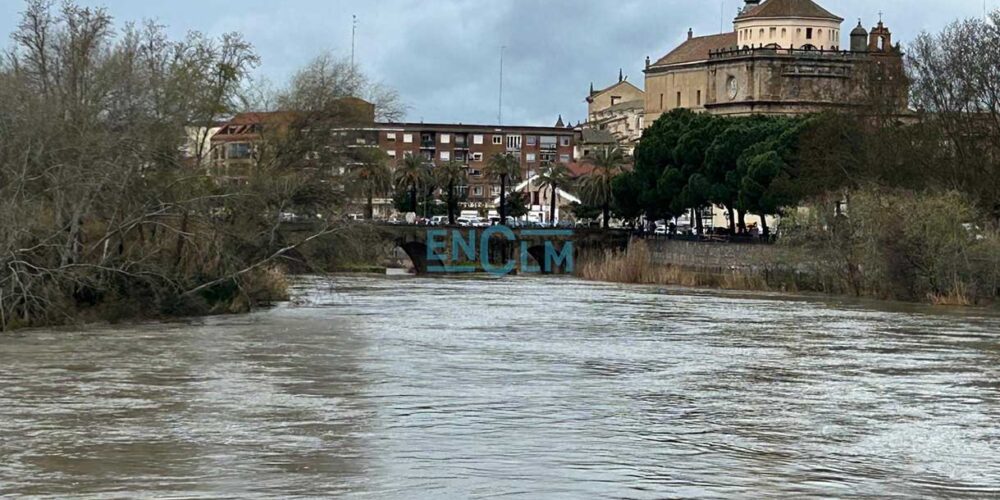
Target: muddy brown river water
point(369, 387)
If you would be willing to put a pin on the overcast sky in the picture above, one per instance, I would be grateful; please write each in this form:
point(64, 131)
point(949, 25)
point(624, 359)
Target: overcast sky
point(443, 55)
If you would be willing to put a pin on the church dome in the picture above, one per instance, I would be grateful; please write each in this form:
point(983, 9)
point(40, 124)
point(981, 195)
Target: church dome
point(860, 31)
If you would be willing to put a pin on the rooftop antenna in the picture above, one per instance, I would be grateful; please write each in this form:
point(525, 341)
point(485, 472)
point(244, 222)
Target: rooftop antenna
point(500, 107)
point(722, 17)
point(354, 35)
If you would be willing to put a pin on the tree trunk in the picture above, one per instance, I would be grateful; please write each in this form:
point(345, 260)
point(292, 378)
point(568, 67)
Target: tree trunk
point(763, 224)
point(732, 221)
point(742, 224)
point(413, 199)
point(179, 248)
point(451, 203)
point(698, 224)
point(503, 199)
point(370, 207)
point(552, 205)
point(607, 214)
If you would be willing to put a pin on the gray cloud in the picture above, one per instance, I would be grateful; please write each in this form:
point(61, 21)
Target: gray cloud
point(443, 55)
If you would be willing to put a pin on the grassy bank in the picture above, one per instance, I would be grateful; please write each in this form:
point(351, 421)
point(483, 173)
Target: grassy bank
point(637, 265)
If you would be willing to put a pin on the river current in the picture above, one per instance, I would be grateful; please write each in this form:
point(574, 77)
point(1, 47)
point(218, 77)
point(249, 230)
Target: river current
point(371, 387)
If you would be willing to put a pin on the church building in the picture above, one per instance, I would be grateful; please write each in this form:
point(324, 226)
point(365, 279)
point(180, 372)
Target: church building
point(782, 57)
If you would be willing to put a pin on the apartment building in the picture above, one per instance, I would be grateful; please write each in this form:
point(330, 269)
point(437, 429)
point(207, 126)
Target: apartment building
point(474, 145)
point(237, 143)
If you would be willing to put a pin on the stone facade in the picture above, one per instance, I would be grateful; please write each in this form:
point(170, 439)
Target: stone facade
point(618, 110)
point(783, 58)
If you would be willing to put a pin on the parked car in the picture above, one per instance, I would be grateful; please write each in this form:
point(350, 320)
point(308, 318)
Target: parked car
point(439, 220)
point(660, 230)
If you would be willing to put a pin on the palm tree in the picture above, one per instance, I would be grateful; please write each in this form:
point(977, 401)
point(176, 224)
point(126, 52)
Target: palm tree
point(505, 168)
point(553, 176)
point(450, 176)
point(372, 176)
point(413, 174)
point(597, 185)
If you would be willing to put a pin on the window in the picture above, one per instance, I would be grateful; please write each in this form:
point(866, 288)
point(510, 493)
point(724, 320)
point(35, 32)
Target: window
point(495, 190)
point(391, 137)
point(698, 98)
point(407, 154)
point(661, 101)
point(445, 138)
point(563, 158)
point(408, 138)
point(530, 157)
point(774, 32)
point(445, 156)
point(477, 139)
point(564, 141)
point(239, 151)
point(532, 140)
point(475, 172)
point(678, 99)
point(391, 153)
point(497, 140)
point(809, 33)
point(477, 157)
point(513, 142)
point(784, 32)
point(477, 191)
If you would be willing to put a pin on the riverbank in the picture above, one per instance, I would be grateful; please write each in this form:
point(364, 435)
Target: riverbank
point(753, 267)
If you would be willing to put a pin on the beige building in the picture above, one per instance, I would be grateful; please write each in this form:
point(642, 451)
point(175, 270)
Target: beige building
point(782, 57)
point(618, 110)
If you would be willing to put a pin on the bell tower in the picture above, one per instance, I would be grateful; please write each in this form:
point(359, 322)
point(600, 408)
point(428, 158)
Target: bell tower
point(880, 39)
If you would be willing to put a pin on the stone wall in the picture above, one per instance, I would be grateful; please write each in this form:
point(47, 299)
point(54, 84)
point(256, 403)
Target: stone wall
point(718, 257)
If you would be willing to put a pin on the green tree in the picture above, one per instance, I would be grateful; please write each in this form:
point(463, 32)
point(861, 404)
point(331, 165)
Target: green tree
point(371, 177)
point(516, 205)
point(450, 176)
point(648, 187)
point(597, 186)
point(554, 177)
point(505, 168)
point(413, 174)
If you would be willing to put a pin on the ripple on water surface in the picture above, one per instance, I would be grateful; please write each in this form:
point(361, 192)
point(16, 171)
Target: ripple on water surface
point(532, 387)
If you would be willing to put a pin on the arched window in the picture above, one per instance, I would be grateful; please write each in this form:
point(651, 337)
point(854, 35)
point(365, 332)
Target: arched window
point(784, 32)
point(808, 46)
point(762, 32)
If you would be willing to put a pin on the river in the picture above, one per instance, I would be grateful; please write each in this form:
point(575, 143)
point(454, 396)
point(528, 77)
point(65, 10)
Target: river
point(368, 387)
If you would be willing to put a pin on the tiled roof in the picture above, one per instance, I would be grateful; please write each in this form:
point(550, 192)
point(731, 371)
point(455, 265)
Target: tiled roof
point(788, 8)
point(697, 49)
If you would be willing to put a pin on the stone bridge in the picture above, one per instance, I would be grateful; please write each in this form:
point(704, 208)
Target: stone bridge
point(498, 249)
point(495, 249)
